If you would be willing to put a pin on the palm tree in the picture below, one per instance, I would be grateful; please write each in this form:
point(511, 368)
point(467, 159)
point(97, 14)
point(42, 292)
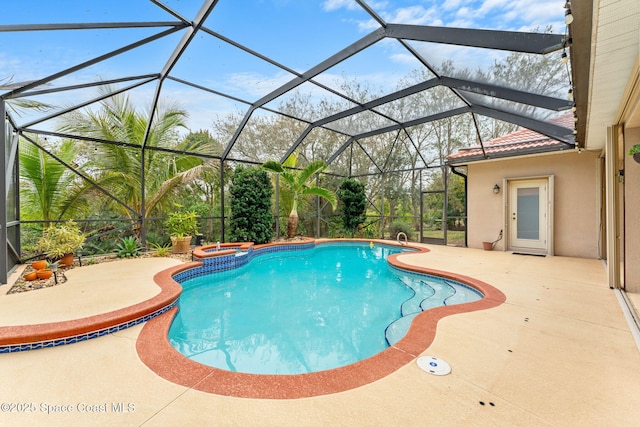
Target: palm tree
point(117, 168)
point(20, 104)
point(296, 182)
point(46, 185)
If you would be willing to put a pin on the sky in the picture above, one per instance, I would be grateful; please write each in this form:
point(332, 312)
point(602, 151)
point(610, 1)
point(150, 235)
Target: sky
point(297, 34)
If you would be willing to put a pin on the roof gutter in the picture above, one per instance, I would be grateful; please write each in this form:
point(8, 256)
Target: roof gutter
point(491, 158)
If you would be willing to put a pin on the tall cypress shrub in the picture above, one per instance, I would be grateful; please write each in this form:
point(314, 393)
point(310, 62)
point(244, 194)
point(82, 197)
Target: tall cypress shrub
point(353, 204)
point(251, 217)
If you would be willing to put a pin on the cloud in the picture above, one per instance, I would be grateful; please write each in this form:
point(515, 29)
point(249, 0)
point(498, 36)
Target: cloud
point(511, 15)
point(331, 5)
point(203, 109)
point(540, 12)
point(520, 13)
point(405, 58)
point(466, 14)
point(11, 71)
point(451, 4)
point(368, 26)
point(250, 85)
point(489, 5)
point(413, 15)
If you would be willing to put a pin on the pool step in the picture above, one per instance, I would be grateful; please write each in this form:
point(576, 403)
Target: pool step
point(421, 292)
point(425, 296)
point(398, 328)
point(443, 292)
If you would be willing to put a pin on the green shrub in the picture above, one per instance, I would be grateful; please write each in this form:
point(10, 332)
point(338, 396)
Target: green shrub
point(397, 227)
point(156, 239)
point(182, 224)
point(161, 250)
point(353, 203)
point(251, 218)
point(128, 247)
point(98, 246)
point(367, 232)
point(61, 239)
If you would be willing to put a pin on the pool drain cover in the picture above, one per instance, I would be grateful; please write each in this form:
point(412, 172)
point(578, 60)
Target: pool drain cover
point(433, 365)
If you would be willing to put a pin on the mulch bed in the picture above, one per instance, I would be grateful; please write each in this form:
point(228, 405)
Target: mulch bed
point(21, 285)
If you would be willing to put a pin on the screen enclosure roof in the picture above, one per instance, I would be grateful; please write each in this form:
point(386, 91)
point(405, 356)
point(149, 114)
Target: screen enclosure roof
point(355, 69)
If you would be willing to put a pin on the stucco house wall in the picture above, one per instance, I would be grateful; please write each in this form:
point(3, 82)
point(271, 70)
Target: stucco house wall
point(632, 214)
point(576, 193)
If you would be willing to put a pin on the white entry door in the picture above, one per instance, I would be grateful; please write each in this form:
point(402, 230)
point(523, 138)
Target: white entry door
point(528, 215)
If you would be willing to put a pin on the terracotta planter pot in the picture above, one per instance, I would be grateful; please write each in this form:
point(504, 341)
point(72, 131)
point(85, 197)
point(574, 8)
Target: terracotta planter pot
point(31, 276)
point(487, 246)
point(636, 157)
point(44, 274)
point(66, 260)
point(181, 245)
point(39, 265)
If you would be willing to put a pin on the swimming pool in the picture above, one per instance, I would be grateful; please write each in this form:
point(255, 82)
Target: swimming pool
point(304, 311)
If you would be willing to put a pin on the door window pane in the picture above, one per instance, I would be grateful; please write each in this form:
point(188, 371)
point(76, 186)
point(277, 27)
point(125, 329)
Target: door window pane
point(528, 213)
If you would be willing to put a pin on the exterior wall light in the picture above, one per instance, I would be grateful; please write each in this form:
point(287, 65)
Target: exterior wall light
point(496, 189)
point(568, 16)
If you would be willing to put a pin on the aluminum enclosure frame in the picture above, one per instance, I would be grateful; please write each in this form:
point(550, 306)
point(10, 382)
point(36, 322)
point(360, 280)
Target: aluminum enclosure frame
point(533, 43)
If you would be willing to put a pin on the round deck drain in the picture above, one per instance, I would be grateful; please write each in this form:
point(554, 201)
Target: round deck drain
point(433, 365)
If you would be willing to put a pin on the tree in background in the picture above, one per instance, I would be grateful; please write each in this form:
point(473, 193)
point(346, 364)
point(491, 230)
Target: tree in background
point(251, 218)
point(455, 199)
point(202, 194)
point(46, 185)
point(201, 138)
point(296, 182)
point(353, 204)
point(20, 104)
point(117, 167)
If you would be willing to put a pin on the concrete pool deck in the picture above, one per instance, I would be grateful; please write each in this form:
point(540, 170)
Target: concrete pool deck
point(558, 352)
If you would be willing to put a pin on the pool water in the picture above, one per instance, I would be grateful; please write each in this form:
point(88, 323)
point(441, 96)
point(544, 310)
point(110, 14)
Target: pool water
point(304, 311)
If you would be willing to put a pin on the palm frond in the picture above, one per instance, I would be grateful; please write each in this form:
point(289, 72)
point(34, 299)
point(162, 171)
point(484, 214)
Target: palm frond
point(291, 161)
point(311, 169)
point(273, 166)
point(44, 180)
point(322, 192)
point(162, 192)
point(118, 169)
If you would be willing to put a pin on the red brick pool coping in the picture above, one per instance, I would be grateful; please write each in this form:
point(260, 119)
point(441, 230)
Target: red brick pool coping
point(155, 351)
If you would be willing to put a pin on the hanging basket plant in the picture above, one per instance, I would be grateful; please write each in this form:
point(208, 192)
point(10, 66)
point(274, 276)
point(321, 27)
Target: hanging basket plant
point(634, 152)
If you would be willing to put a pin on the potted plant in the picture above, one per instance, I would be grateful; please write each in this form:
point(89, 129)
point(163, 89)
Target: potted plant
point(61, 241)
point(634, 152)
point(181, 226)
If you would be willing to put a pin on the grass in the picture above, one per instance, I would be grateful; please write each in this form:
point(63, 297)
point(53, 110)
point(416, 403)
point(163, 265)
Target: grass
point(453, 237)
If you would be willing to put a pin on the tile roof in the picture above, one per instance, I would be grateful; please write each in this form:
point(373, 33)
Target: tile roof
point(523, 141)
